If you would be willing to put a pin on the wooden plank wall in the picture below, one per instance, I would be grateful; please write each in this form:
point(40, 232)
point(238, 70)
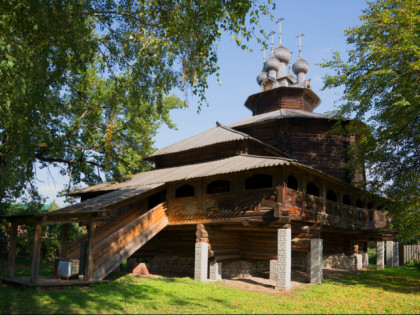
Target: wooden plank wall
point(409, 252)
point(170, 241)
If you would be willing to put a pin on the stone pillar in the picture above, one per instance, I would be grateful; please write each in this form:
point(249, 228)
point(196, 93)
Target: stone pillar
point(273, 269)
point(201, 261)
point(215, 271)
point(395, 256)
point(284, 258)
point(380, 255)
point(389, 253)
point(315, 266)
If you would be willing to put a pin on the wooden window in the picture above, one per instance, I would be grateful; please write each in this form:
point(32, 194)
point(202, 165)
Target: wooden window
point(331, 195)
point(184, 191)
point(359, 204)
point(346, 200)
point(312, 189)
point(218, 186)
point(259, 181)
point(292, 182)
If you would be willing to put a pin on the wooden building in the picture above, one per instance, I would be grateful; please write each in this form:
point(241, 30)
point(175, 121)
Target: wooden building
point(262, 195)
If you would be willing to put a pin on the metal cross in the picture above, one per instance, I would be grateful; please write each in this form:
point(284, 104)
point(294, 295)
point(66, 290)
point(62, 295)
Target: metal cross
point(300, 43)
point(263, 49)
point(272, 43)
point(279, 21)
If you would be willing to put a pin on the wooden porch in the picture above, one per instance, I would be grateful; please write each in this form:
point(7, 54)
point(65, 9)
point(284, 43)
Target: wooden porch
point(49, 282)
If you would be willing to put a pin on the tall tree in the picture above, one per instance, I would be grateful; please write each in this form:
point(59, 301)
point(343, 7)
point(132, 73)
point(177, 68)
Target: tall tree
point(381, 88)
point(85, 84)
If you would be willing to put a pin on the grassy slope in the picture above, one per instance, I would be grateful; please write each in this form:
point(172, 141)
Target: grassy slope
point(389, 291)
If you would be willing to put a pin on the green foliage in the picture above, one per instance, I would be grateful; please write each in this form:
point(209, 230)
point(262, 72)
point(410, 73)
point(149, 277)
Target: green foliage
point(391, 291)
point(381, 88)
point(85, 84)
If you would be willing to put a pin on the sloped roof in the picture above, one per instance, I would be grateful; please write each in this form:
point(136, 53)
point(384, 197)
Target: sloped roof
point(278, 114)
point(164, 175)
point(215, 135)
point(219, 134)
point(105, 201)
point(205, 169)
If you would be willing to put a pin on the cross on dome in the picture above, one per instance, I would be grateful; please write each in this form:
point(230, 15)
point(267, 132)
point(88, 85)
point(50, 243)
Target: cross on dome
point(279, 21)
point(300, 43)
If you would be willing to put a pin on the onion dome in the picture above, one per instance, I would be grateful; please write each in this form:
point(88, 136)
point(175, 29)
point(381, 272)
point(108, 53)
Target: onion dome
point(261, 77)
point(300, 65)
point(272, 63)
point(282, 54)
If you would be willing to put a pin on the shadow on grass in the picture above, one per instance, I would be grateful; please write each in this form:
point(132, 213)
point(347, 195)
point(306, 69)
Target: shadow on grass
point(126, 294)
point(404, 279)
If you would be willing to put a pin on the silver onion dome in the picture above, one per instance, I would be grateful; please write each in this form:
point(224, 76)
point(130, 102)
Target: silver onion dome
point(300, 65)
point(282, 54)
point(261, 77)
point(272, 63)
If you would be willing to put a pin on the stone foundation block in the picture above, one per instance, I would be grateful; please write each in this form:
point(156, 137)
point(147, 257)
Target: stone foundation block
point(201, 261)
point(389, 254)
point(380, 255)
point(215, 271)
point(273, 269)
point(395, 255)
point(315, 266)
point(284, 258)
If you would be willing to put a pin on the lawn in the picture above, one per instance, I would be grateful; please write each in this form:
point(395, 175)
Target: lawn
point(388, 291)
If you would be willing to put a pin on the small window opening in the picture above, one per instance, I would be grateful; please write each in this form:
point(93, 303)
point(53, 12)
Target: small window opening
point(218, 186)
point(370, 205)
point(184, 191)
point(292, 182)
point(359, 204)
point(312, 189)
point(157, 198)
point(259, 181)
point(346, 200)
point(331, 195)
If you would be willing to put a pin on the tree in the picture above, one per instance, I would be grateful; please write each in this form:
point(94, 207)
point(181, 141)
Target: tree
point(381, 88)
point(85, 84)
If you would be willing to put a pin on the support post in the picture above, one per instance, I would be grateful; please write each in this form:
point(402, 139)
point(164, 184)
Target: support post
point(380, 255)
point(395, 255)
point(389, 253)
point(12, 251)
point(36, 253)
point(316, 261)
point(89, 252)
point(201, 261)
point(64, 239)
point(284, 258)
point(215, 271)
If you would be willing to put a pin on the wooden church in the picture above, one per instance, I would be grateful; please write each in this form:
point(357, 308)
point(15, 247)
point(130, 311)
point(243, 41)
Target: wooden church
point(264, 195)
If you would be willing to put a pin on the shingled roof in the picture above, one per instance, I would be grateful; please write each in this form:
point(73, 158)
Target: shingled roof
point(199, 170)
point(219, 134)
point(278, 114)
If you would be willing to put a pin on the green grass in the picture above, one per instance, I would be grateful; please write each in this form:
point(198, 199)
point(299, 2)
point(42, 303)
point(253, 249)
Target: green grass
point(388, 291)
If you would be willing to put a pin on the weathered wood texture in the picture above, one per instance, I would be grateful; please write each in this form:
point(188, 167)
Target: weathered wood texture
point(308, 141)
point(36, 253)
point(120, 238)
point(409, 252)
point(12, 251)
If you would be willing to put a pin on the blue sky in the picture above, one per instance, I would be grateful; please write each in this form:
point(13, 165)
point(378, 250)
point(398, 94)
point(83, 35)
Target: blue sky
point(323, 22)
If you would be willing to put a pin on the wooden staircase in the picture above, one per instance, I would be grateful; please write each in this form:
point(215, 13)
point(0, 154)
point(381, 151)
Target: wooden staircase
point(118, 239)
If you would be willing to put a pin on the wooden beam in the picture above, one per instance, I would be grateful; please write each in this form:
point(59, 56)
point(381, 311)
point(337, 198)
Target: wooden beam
point(36, 253)
point(89, 253)
point(12, 251)
point(64, 239)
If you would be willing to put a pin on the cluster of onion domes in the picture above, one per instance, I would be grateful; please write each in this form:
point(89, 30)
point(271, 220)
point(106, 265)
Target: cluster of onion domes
point(275, 66)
